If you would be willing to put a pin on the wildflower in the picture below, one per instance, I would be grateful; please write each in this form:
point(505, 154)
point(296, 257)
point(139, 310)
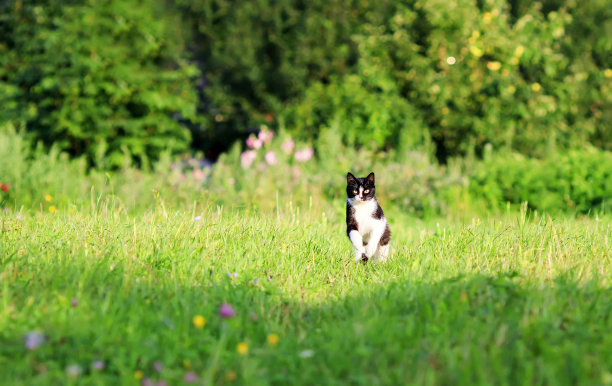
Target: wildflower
point(536, 87)
point(158, 366)
point(451, 60)
point(487, 17)
point(518, 51)
point(272, 339)
point(97, 365)
point(494, 65)
point(254, 143)
point(505, 72)
point(197, 218)
point(306, 353)
point(230, 275)
point(74, 302)
point(138, 374)
point(34, 339)
point(4, 187)
point(52, 209)
point(190, 377)
point(198, 174)
point(477, 52)
point(162, 382)
point(607, 74)
point(288, 146)
point(304, 155)
point(187, 364)
point(253, 316)
point(48, 198)
point(265, 135)
point(199, 321)
point(73, 371)
point(271, 158)
point(226, 311)
point(146, 382)
point(242, 348)
point(255, 281)
point(230, 376)
point(269, 118)
point(247, 158)
point(511, 89)
point(445, 111)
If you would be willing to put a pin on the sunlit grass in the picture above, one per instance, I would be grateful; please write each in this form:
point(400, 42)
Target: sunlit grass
point(128, 299)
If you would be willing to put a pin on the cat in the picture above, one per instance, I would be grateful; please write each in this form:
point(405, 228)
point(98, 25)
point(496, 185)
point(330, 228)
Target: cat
point(366, 225)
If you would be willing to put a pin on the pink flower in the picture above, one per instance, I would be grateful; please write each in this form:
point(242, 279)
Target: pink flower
point(247, 158)
point(198, 174)
point(271, 158)
point(226, 311)
point(190, 377)
point(254, 143)
point(265, 136)
point(288, 146)
point(74, 302)
point(304, 155)
point(97, 365)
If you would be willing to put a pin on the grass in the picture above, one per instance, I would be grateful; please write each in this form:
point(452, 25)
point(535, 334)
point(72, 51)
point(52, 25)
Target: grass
point(509, 300)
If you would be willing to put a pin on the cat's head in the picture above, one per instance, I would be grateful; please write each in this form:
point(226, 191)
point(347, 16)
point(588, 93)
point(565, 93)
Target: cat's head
point(360, 189)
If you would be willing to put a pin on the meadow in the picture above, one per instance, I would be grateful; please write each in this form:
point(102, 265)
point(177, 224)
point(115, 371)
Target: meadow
point(218, 295)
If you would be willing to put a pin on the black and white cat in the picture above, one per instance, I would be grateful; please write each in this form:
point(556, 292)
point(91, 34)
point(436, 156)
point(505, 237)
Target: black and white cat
point(366, 225)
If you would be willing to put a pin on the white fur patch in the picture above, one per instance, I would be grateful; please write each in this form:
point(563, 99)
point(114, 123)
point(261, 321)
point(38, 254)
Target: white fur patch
point(370, 230)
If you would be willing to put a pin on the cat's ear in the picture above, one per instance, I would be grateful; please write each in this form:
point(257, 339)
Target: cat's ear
point(350, 178)
point(370, 178)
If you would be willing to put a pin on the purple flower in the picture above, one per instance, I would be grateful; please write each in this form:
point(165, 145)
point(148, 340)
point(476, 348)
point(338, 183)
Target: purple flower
point(197, 218)
point(162, 382)
point(253, 316)
point(97, 365)
point(254, 143)
point(74, 302)
point(34, 339)
point(146, 382)
point(158, 366)
point(226, 311)
point(265, 135)
point(304, 155)
point(288, 146)
point(247, 158)
point(271, 158)
point(190, 377)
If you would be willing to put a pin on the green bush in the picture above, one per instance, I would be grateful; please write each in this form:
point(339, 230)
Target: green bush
point(526, 76)
point(100, 78)
point(579, 181)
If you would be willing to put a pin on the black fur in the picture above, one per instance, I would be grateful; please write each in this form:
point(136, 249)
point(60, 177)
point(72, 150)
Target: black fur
point(351, 223)
point(386, 237)
point(353, 183)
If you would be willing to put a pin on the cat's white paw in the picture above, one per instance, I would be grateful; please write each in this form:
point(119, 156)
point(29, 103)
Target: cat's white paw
point(370, 251)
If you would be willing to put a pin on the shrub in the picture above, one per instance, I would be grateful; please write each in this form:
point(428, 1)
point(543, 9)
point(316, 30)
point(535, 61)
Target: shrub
point(579, 181)
point(95, 77)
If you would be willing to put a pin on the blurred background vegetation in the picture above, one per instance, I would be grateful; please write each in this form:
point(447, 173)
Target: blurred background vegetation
point(456, 105)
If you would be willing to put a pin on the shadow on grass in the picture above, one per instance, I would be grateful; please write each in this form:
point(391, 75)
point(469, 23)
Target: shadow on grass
point(465, 330)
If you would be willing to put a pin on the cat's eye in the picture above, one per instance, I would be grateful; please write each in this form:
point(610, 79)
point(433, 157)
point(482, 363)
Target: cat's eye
point(355, 192)
point(366, 191)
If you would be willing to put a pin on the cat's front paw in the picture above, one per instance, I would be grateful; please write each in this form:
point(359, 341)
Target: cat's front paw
point(370, 251)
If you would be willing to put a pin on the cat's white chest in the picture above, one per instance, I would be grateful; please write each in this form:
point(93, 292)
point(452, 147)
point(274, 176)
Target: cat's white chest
point(364, 215)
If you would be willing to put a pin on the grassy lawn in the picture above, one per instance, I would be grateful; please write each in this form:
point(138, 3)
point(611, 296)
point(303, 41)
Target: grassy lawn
point(100, 297)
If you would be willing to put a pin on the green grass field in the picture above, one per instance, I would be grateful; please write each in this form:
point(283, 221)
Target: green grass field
point(512, 300)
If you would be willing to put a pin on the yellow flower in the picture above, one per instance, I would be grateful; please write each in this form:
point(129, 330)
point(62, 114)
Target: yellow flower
point(486, 17)
point(505, 72)
point(608, 73)
point(138, 374)
point(230, 376)
point(48, 197)
point(536, 87)
point(242, 348)
point(493, 66)
point(445, 110)
point(186, 364)
point(52, 209)
point(477, 52)
point(511, 89)
point(272, 339)
point(518, 51)
point(199, 321)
